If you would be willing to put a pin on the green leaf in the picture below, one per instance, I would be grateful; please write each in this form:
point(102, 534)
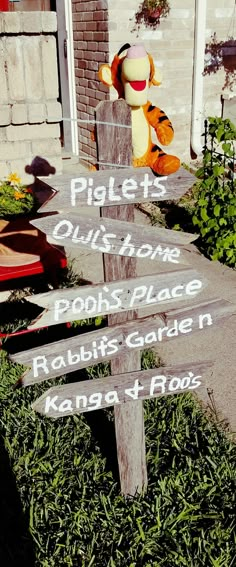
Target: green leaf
point(216, 210)
point(204, 215)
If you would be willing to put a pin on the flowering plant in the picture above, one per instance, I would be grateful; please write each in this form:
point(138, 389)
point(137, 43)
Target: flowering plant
point(15, 198)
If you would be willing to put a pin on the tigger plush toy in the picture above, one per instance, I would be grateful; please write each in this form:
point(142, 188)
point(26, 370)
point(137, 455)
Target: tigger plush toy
point(131, 73)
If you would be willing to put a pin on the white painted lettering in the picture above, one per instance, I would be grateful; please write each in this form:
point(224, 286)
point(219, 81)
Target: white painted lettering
point(80, 400)
point(63, 229)
point(129, 185)
point(111, 398)
point(177, 291)
point(175, 384)
point(65, 405)
point(40, 362)
point(157, 183)
point(144, 251)
point(193, 287)
point(58, 363)
point(90, 304)
point(78, 305)
point(146, 183)
point(134, 392)
point(139, 341)
point(85, 355)
point(185, 326)
point(157, 382)
point(77, 186)
point(185, 382)
point(99, 195)
point(60, 306)
point(164, 294)
point(138, 293)
point(115, 295)
point(208, 318)
point(196, 382)
point(73, 358)
point(95, 400)
point(111, 194)
point(50, 404)
point(113, 346)
point(127, 249)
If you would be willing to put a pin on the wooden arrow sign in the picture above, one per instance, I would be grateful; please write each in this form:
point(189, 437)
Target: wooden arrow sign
point(64, 305)
point(115, 237)
point(65, 356)
point(101, 393)
point(116, 187)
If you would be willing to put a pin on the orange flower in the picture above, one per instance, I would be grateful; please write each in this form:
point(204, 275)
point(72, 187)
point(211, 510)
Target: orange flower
point(14, 179)
point(18, 195)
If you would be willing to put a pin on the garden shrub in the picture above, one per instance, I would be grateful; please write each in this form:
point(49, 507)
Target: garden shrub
point(215, 207)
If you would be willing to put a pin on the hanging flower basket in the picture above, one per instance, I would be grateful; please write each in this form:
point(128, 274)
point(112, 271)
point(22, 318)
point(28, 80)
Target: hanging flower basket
point(150, 12)
point(229, 54)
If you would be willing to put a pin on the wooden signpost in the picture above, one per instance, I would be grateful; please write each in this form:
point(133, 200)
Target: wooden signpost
point(121, 389)
point(65, 356)
point(121, 242)
point(115, 237)
point(115, 297)
point(123, 187)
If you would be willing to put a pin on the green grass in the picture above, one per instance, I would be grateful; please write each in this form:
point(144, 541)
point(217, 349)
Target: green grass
point(64, 483)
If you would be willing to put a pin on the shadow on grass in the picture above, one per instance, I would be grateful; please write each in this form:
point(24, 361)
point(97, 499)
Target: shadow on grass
point(16, 544)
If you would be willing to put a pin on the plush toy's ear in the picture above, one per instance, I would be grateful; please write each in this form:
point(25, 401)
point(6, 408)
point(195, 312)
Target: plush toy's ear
point(105, 75)
point(155, 74)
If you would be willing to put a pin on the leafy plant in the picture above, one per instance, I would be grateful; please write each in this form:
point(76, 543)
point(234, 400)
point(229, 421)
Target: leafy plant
point(150, 12)
point(218, 56)
point(15, 198)
point(215, 209)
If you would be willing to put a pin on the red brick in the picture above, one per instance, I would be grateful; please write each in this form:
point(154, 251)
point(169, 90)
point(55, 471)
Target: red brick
point(91, 75)
point(82, 64)
point(98, 16)
point(84, 100)
point(80, 45)
point(100, 57)
point(84, 83)
point(93, 101)
point(99, 36)
point(78, 36)
point(88, 16)
point(88, 35)
point(102, 26)
point(92, 65)
point(90, 26)
point(79, 73)
point(81, 106)
point(92, 45)
point(103, 46)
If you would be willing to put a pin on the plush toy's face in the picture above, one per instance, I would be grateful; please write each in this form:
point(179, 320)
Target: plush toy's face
point(135, 73)
point(131, 74)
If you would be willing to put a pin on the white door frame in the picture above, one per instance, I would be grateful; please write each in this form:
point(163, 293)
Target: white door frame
point(67, 75)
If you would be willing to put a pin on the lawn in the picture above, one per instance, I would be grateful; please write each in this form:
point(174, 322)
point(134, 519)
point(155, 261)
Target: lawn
point(61, 504)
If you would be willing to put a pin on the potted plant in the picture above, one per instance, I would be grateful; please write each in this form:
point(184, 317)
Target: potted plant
point(150, 12)
point(221, 55)
point(16, 199)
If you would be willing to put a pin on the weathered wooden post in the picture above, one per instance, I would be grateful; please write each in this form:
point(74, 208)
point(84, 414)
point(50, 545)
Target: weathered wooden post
point(114, 144)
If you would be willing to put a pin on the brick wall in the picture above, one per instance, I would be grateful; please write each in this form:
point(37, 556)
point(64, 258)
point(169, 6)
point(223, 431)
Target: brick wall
point(30, 113)
point(90, 29)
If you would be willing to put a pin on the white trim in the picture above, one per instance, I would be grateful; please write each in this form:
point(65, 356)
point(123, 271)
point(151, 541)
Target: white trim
point(71, 77)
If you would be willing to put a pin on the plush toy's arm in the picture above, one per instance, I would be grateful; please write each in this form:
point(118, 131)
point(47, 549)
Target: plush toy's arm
point(160, 122)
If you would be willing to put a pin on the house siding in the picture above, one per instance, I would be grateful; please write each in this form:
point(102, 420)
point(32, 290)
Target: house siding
point(30, 113)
